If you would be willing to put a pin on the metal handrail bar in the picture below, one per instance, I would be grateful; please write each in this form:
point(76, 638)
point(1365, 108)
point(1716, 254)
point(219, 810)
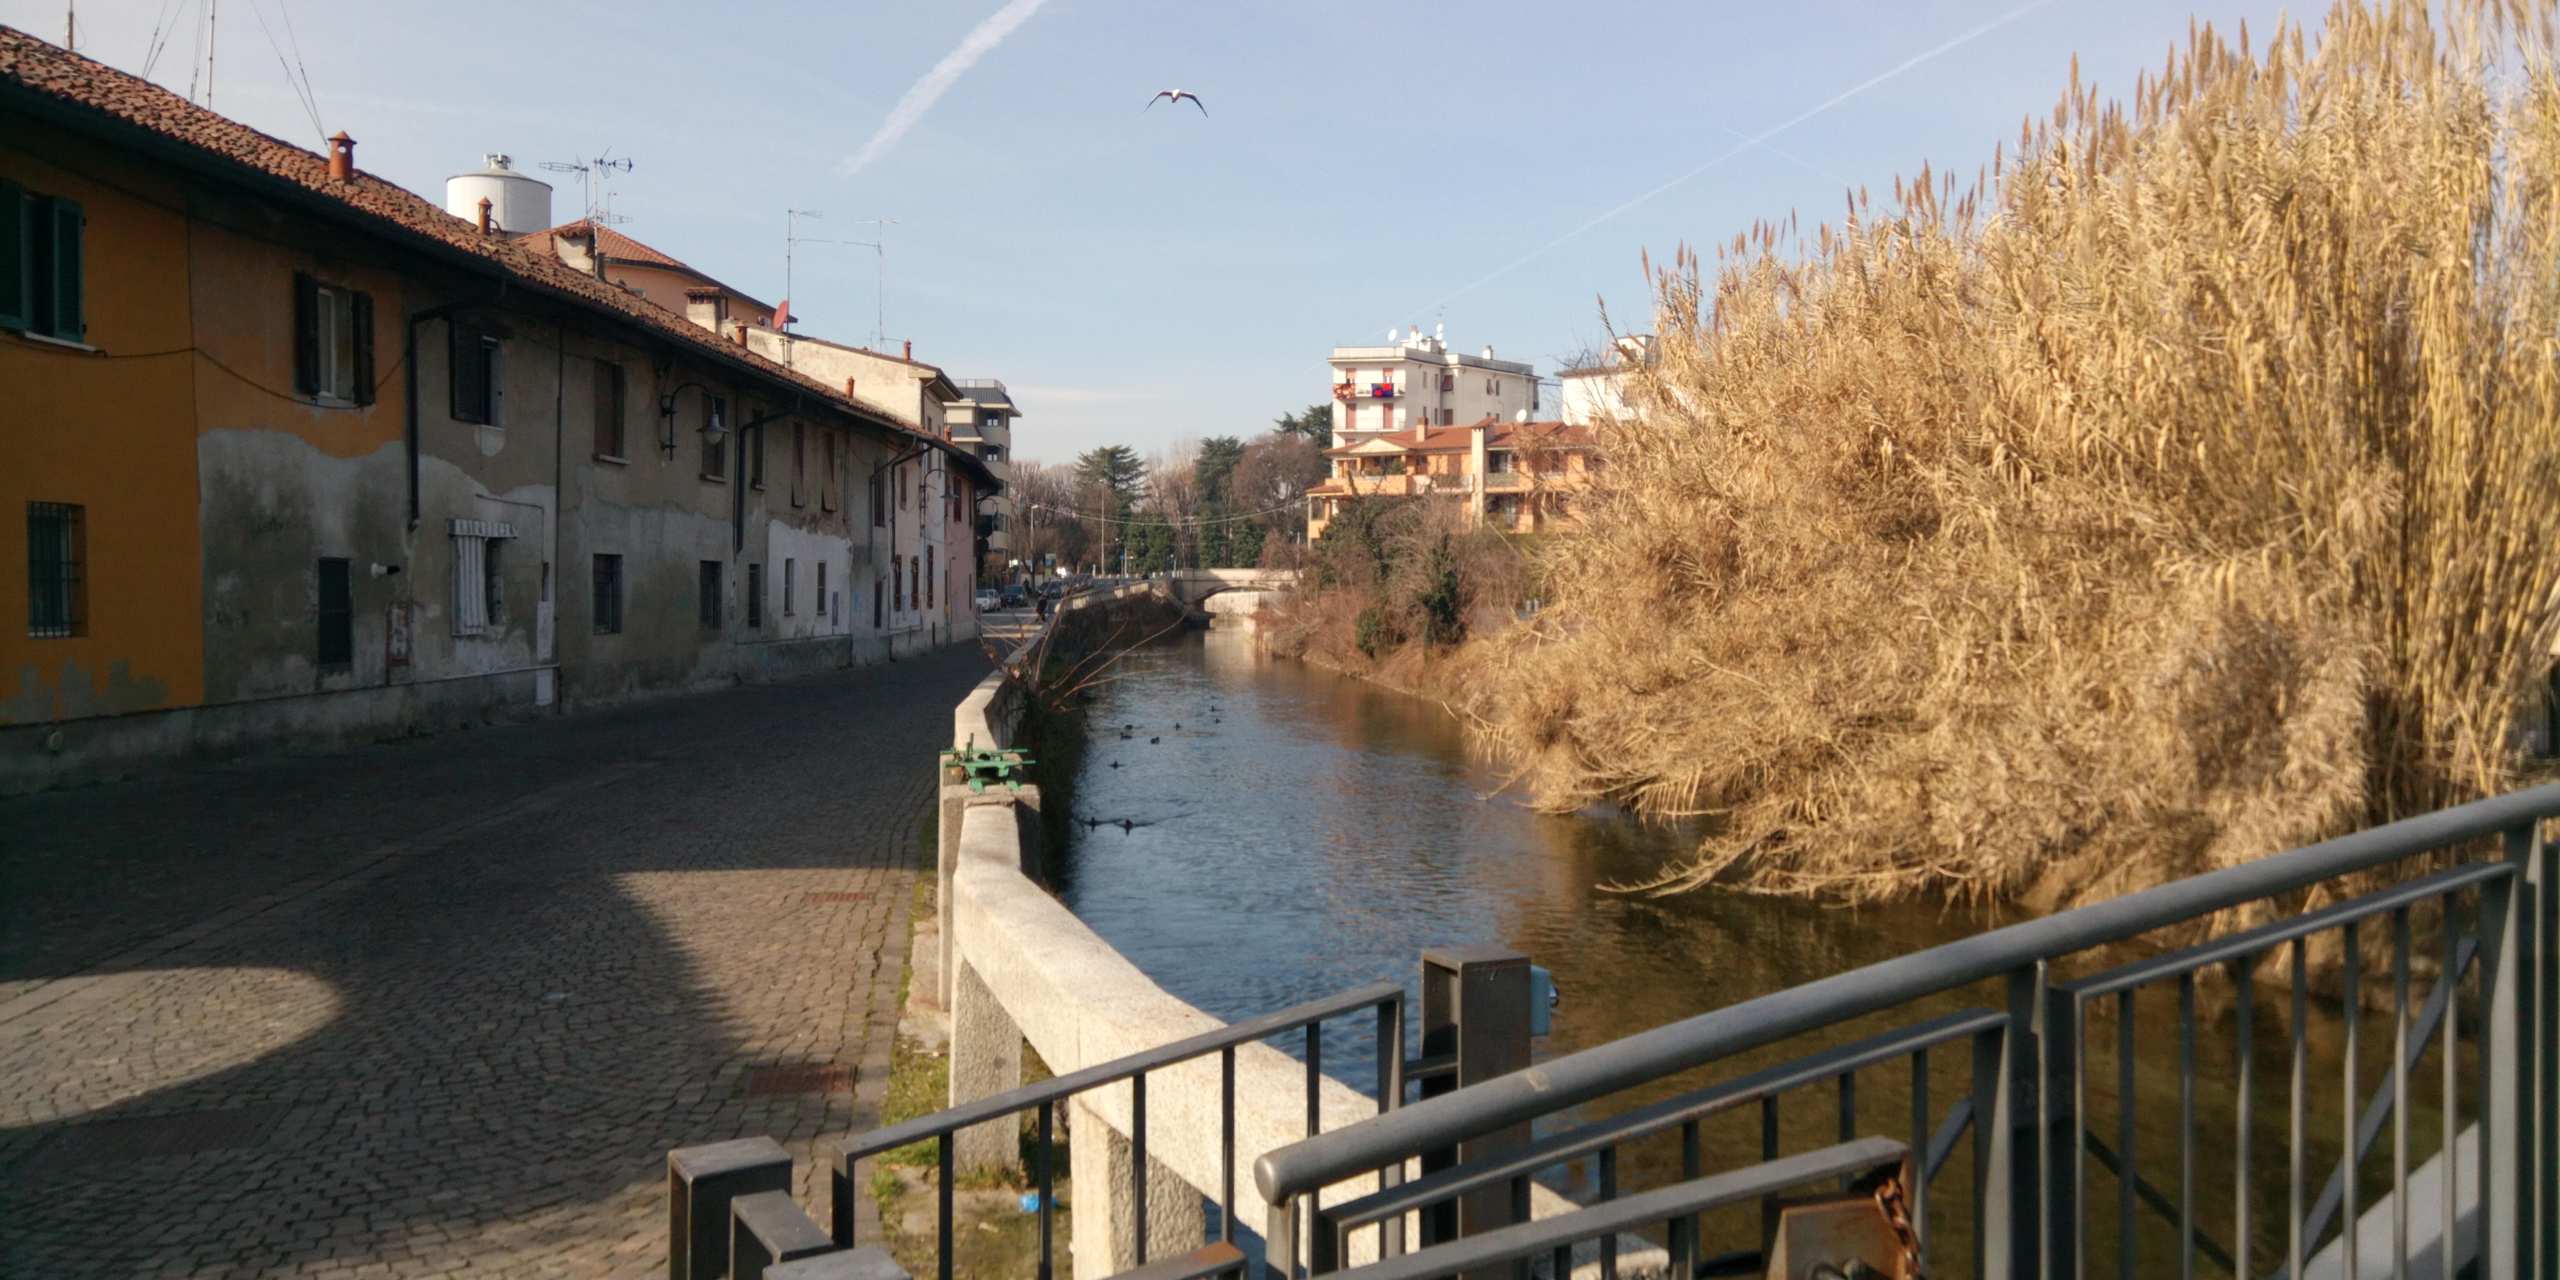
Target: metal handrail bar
point(2422, 1034)
point(2156, 1200)
point(1656, 1117)
point(1296, 1170)
point(1385, 998)
point(2252, 943)
point(1672, 1204)
point(1942, 1144)
point(2266, 937)
point(1213, 1261)
point(1014, 1101)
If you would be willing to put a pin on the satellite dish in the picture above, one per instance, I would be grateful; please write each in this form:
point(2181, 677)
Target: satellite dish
point(1522, 417)
point(1391, 333)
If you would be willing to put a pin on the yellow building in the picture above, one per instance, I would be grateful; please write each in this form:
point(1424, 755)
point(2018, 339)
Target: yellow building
point(97, 431)
point(1520, 477)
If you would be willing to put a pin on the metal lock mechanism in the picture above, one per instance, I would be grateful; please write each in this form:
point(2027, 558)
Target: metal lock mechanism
point(978, 766)
point(1864, 1233)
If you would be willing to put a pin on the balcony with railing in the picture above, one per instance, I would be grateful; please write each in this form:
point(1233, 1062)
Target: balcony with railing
point(984, 391)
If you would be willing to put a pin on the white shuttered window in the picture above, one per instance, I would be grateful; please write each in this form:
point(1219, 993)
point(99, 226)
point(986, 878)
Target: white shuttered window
point(478, 602)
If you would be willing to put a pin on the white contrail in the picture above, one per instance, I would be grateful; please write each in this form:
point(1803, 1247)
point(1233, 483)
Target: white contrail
point(1754, 140)
point(929, 89)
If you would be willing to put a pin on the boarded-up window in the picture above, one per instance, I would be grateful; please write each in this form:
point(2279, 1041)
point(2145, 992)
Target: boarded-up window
point(609, 409)
point(336, 616)
point(608, 594)
point(478, 374)
point(755, 593)
point(707, 607)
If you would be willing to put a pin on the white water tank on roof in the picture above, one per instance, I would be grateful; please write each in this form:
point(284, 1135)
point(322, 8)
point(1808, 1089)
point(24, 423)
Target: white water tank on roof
point(517, 203)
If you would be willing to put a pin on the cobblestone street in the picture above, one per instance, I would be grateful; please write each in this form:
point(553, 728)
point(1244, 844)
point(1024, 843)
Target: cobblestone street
point(442, 1006)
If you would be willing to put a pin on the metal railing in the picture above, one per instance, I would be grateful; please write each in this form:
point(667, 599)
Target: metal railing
point(1385, 1000)
point(2494, 922)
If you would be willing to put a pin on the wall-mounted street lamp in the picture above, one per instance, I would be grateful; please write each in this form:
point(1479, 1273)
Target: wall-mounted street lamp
point(713, 429)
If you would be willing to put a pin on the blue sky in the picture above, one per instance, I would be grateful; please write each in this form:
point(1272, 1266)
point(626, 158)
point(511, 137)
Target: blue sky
point(1144, 276)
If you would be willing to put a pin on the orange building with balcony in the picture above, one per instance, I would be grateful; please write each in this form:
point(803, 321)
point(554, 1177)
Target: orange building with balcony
point(1520, 477)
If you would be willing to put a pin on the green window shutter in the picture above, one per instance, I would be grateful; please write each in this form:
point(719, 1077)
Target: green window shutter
point(68, 322)
point(306, 334)
point(17, 256)
point(362, 323)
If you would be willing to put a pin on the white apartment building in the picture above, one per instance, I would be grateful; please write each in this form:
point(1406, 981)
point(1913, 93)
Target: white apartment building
point(1416, 381)
point(1593, 392)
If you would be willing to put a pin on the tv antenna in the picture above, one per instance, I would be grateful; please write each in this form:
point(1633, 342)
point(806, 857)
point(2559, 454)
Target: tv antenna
point(791, 238)
point(880, 278)
point(587, 170)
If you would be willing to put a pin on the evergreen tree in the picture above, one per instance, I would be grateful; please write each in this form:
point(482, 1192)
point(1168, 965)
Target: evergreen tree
point(1314, 423)
point(1108, 481)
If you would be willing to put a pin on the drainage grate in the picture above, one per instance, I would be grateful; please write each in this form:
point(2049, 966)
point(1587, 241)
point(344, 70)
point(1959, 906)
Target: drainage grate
point(836, 897)
point(150, 1137)
point(765, 1082)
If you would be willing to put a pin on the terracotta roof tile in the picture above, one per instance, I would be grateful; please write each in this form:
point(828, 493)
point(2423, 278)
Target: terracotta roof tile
point(29, 65)
point(616, 245)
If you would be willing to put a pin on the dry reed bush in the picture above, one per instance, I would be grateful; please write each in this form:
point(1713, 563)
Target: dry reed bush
point(2186, 491)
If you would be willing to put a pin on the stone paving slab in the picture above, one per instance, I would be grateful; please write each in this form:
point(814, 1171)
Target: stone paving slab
point(442, 1006)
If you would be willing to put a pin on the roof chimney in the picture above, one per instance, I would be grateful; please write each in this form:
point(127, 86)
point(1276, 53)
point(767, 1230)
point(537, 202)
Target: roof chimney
point(484, 215)
point(848, 388)
point(911, 349)
point(342, 157)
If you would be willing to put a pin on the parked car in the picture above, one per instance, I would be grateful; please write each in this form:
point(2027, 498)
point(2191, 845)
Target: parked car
point(989, 602)
point(1014, 597)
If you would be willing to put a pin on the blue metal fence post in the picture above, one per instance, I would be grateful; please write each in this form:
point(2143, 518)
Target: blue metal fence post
point(2506, 1106)
point(2010, 1231)
point(2057, 1108)
point(2543, 1039)
point(1280, 1242)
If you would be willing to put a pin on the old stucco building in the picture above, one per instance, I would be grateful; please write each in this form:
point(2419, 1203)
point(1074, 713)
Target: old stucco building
point(292, 455)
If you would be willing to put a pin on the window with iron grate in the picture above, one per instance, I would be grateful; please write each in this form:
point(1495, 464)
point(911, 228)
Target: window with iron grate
point(57, 594)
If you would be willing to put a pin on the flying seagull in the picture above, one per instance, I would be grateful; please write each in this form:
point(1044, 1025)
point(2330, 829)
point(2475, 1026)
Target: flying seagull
point(1178, 96)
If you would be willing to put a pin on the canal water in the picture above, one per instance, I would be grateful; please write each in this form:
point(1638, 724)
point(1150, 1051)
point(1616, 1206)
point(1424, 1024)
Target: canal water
point(1291, 833)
